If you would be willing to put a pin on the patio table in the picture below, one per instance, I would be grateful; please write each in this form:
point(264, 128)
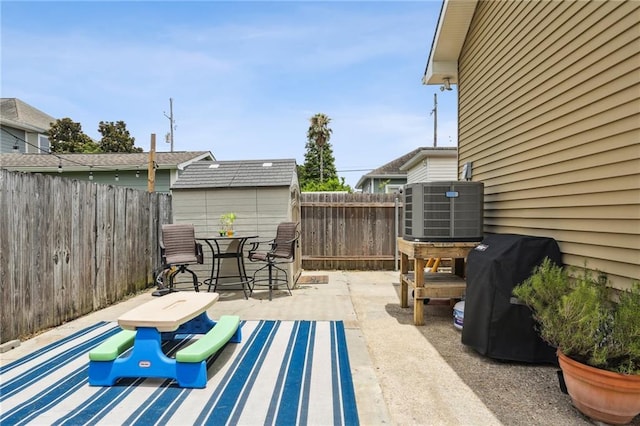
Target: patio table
point(235, 274)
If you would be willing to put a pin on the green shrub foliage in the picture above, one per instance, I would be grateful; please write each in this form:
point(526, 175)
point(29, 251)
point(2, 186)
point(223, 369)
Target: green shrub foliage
point(579, 315)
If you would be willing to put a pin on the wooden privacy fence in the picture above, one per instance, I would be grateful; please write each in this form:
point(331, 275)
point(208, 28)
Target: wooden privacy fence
point(69, 247)
point(350, 231)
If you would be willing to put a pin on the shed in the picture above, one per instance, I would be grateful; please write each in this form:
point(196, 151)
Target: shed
point(261, 193)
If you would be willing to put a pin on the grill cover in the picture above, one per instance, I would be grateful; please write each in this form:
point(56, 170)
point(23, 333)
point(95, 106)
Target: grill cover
point(494, 325)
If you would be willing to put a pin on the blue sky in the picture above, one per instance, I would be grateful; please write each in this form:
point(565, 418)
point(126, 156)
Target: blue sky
point(244, 77)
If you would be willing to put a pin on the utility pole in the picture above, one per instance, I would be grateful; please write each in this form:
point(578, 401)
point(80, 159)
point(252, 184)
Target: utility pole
point(169, 138)
point(434, 111)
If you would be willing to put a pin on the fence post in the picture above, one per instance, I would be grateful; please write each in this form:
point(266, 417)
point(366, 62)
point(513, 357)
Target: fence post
point(395, 240)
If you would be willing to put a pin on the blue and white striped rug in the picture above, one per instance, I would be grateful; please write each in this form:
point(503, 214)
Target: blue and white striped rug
point(283, 372)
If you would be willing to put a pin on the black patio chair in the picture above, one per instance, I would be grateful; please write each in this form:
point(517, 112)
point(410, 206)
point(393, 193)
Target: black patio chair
point(281, 250)
point(179, 249)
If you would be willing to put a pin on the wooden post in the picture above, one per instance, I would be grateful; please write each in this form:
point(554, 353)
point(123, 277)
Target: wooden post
point(151, 172)
point(404, 285)
point(418, 305)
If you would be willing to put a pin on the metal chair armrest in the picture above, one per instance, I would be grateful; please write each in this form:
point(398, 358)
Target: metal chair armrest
point(256, 244)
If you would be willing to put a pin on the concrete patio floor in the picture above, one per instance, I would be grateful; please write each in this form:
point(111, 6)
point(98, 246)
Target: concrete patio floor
point(403, 374)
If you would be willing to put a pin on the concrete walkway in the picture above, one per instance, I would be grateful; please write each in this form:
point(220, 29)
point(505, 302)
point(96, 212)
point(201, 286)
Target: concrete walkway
point(399, 377)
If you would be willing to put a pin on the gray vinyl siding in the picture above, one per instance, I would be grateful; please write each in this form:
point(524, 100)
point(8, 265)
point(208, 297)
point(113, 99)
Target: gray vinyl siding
point(7, 141)
point(549, 113)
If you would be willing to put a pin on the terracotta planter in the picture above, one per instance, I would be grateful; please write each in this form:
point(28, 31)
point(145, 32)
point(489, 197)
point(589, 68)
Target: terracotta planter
point(603, 395)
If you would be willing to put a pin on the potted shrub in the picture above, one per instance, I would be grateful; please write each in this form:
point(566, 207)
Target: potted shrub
point(597, 334)
point(226, 224)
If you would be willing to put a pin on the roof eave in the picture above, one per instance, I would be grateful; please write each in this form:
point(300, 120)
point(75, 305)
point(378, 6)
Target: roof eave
point(204, 156)
point(451, 32)
point(22, 126)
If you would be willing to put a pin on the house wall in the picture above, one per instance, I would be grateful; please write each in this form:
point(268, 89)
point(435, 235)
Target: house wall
point(126, 178)
point(549, 113)
point(7, 140)
point(434, 169)
point(258, 212)
point(31, 138)
point(379, 185)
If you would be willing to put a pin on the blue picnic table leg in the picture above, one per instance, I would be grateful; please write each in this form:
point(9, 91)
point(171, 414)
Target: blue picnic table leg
point(145, 360)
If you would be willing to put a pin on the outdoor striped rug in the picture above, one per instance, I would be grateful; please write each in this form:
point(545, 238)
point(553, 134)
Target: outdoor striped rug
point(283, 372)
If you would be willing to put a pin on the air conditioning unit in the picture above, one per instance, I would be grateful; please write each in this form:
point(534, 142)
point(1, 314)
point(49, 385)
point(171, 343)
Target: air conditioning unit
point(443, 211)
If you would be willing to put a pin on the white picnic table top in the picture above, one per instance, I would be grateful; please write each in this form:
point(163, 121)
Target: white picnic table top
point(168, 312)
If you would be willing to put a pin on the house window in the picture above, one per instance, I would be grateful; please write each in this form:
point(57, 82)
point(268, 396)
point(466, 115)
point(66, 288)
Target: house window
point(43, 144)
point(392, 189)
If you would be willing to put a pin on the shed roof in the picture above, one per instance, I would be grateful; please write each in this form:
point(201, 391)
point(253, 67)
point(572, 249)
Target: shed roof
point(244, 173)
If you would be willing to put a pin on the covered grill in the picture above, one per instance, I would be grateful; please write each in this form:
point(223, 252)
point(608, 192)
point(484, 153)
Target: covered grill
point(495, 324)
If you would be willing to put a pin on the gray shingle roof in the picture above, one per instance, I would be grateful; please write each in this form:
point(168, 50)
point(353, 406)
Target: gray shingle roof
point(245, 173)
point(164, 160)
point(15, 113)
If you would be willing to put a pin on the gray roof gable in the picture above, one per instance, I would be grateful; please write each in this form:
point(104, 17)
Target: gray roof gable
point(20, 115)
point(244, 173)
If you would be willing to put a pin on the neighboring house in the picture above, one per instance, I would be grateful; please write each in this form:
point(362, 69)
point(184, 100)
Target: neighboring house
point(387, 178)
point(262, 193)
point(432, 164)
point(121, 169)
point(549, 118)
point(20, 122)
point(420, 165)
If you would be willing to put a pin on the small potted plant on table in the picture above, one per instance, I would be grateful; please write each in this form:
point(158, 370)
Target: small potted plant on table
point(597, 334)
point(226, 224)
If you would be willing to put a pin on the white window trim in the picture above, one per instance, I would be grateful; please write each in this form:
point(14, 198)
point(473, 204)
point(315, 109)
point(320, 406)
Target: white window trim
point(43, 150)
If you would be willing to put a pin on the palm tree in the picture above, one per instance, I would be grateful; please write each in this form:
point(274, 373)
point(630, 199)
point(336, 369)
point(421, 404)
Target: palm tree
point(319, 133)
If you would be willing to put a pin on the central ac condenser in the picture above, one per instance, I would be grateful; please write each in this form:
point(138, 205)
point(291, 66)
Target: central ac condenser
point(443, 211)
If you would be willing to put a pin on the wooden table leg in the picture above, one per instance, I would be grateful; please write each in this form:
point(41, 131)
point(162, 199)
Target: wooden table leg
point(404, 288)
point(418, 306)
